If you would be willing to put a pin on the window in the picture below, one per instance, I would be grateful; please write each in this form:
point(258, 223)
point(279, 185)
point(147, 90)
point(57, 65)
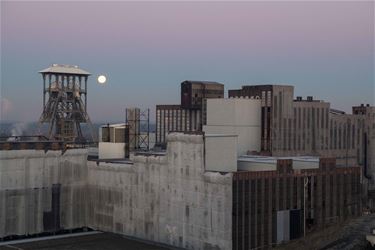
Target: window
point(340, 136)
point(353, 136)
point(275, 106)
point(335, 135)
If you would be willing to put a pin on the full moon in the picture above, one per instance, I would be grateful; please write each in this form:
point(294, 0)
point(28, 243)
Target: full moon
point(102, 79)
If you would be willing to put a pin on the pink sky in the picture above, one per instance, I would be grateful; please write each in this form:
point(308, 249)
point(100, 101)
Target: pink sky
point(316, 46)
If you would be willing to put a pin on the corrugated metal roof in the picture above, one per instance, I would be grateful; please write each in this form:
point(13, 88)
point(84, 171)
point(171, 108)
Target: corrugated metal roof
point(65, 69)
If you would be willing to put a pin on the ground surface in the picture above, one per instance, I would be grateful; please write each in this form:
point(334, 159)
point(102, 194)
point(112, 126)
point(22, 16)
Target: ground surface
point(101, 241)
point(348, 235)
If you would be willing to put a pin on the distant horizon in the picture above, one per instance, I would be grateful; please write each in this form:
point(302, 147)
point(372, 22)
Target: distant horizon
point(153, 121)
point(146, 49)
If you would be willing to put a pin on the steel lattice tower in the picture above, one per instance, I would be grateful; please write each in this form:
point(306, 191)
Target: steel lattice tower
point(65, 106)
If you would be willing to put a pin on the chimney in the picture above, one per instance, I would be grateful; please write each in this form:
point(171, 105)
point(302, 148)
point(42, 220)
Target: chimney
point(309, 98)
point(299, 98)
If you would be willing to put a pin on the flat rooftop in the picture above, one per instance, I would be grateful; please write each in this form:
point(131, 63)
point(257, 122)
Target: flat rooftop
point(99, 241)
point(273, 159)
point(269, 163)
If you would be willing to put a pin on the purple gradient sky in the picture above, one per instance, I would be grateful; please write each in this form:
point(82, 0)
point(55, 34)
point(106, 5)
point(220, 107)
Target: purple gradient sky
point(147, 49)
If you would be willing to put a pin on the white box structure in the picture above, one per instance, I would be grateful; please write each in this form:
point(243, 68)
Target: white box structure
point(236, 116)
point(220, 153)
point(111, 150)
point(112, 141)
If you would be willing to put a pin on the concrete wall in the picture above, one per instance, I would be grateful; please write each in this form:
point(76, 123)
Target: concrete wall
point(233, 112)
point(111, 150)
point(42, 191)
point(168, 199)
point(241, 117)
point(221, 153)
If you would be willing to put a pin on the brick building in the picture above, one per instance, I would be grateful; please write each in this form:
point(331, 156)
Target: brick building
point(323, 195)
point(190, 115)
point(175, 118)
point(292, 127)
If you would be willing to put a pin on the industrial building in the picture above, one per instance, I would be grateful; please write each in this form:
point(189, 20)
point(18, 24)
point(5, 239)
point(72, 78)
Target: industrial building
point(172, 197)
point(190, 115)
point(278, 205)
point(174, 118)
point(238, 173)
point(292, 127)
point(193, 93)
point(275, 199)
point(367, 113)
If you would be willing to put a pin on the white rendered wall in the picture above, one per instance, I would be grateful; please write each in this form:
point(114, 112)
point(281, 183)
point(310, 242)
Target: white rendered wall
point(238, 116)
point(248, 138)
point(221, 153)
point(234, 112)
point(111, 150)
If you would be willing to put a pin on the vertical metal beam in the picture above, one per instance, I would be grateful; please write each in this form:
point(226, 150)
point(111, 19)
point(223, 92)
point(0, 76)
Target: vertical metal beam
point(74, 84)
point(44, 91)
point(85, 93)
point(148, 129)
point(49, 84)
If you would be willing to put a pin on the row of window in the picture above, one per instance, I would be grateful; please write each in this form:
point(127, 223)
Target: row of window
point(176, 120)
point(311, 128)
point(252, 203)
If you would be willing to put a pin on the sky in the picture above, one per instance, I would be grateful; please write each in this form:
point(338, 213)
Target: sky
point(146, 49)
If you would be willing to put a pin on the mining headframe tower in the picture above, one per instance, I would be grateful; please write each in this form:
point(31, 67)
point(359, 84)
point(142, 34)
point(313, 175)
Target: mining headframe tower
point(65, 102)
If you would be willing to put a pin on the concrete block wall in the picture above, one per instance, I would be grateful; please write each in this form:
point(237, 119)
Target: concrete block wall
point(42, 191)
point(168, 199)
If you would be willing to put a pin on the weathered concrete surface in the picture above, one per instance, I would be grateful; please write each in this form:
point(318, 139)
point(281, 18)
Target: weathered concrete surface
point(168, 199)
point(42, 191)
